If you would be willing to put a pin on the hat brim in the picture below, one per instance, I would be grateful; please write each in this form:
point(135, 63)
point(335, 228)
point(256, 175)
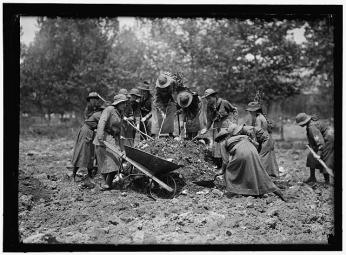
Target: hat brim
point(213, 93)
point(219, 137)
point(253, 109)
point(169, 81)
point(116, 102)
point(302, 123)
point(144, 88)
point(96, 97)
point(138, 95)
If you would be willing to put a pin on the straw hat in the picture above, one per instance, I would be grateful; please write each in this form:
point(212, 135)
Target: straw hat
point(253, 106)
point(135, 92)
point(209, 92)
point(164, 80)
point(222, 134)
point(302, 118)
point(123, 91)
point(184, 99)
point(93, 95)
point(119, 99)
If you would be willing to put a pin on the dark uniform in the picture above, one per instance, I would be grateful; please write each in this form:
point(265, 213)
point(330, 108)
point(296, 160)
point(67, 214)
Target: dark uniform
point(321, 138)
point(222, 114)
point(191, 116)
point(83, 153)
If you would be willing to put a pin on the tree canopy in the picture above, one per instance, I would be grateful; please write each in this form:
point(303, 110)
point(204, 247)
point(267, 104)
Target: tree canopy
point(239, 57)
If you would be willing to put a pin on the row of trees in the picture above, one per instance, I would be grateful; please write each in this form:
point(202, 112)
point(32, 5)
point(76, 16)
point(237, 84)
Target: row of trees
point(70, 57)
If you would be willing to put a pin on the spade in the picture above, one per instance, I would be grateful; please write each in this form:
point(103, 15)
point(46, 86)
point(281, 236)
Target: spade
point(208, 183)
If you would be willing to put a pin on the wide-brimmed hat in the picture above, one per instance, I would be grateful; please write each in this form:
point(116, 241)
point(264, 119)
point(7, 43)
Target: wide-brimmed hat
point(145, 85)
point(253, 106)
point(209, 92)
point(164, 80)
point(93, 95)
point(184, 99)
point(222, 134)
point(302, 118)
point(123, 91)
point(119, 99)
point(135, 92)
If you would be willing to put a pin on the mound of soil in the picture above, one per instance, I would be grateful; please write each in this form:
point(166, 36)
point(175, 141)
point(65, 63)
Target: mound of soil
point(195, 158)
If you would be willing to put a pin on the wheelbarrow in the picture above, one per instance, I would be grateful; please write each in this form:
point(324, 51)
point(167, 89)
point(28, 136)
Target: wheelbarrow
point(161, 182)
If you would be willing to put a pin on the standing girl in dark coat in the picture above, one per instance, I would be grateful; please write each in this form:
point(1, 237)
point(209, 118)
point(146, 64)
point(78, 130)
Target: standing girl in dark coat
point(109, 128)
point(221, 114)
point(83, 153)
point(267, 152)
point(321, 140)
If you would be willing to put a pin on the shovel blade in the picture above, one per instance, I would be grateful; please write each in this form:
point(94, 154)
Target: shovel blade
point(205, 183)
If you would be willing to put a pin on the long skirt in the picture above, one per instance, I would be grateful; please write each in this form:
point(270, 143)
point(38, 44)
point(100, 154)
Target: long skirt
point(327, 153)
point(167, 126)
point(245, 173)
point(107, 161)
point(268, 157)
point(83, 153)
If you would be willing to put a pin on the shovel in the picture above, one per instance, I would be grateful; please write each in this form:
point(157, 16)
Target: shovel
point(208, 183)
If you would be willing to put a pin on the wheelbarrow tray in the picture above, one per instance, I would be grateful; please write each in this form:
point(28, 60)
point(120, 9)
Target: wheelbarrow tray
point(156, 165)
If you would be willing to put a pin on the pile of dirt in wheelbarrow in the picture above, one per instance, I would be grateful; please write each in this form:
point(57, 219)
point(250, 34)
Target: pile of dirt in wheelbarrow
point(195, 157)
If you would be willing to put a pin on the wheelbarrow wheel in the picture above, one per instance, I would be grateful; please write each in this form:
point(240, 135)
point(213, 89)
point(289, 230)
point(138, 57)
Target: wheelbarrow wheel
point(155, 190)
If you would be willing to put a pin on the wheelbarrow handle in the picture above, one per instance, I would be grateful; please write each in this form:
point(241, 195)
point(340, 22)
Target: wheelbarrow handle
point(137, 165)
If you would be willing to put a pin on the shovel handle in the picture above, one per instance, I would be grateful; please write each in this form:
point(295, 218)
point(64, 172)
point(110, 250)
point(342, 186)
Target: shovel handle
point(314, 154)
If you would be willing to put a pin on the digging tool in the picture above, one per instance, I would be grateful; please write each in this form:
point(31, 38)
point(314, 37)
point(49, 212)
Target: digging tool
point(179, 123)
point(208, 183)
point(314, 154)
point(140, 167)
point(145, 128)
point(138, 129)
point(201, 136)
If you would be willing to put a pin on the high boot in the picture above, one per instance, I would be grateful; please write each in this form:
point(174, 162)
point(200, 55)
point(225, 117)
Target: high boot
point(326, 178)
point(312, 177)
point(75, 170)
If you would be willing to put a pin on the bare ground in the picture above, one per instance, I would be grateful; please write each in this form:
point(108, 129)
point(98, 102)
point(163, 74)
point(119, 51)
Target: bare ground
point(53, 209)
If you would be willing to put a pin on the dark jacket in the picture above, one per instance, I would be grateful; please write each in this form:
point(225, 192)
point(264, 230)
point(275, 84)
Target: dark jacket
point(223, 114)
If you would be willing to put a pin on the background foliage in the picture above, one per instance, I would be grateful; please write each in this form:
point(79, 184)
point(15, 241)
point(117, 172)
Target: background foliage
point(71, 57)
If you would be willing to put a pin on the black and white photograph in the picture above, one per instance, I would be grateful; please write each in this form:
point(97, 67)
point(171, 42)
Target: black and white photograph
point(150, 126)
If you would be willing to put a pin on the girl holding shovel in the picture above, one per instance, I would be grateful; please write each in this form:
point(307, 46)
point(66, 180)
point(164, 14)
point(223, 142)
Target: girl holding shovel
point(321, 140)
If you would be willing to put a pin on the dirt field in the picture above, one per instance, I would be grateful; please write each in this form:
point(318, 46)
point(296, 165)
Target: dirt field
point(53, 209)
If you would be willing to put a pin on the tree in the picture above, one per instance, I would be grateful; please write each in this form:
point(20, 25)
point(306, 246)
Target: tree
point(65, 62)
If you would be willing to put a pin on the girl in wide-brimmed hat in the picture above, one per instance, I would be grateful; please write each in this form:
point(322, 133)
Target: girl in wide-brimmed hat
point(163, 106)
point(83, 152)
point(220, 113)
point(267, 152)
point(190, 107)
point(321, 140)
point(109, 128)
point(94, 101)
